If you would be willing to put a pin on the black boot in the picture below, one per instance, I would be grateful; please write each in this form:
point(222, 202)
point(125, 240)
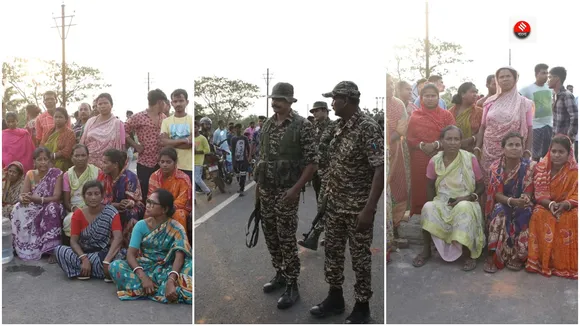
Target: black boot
point(332, 305)
point(289, 297)
point(361, 314)
point(312, 241)
point(278, 282)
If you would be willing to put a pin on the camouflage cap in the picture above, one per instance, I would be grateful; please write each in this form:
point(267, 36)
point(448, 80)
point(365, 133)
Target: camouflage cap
point(319, 105)
point(344, 88)
point(285, 91)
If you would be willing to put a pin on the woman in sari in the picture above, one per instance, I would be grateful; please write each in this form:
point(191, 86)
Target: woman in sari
point(17, 144)
point(11, 187)
point(506, 111)
point(162, 272)
point(175, 181)
point(423, 133)
point(396, 130)
point(103, 132)
point(553, 239)
point(508, 208)
point(467, 114)
point(452, 217)
point(389, 208)
point(60, 140)
point(96, 237)
point(122, 190)
point(73, 181)
point(37, 218)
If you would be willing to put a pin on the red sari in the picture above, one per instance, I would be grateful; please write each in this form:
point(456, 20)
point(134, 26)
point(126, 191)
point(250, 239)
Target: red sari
point(424, 126)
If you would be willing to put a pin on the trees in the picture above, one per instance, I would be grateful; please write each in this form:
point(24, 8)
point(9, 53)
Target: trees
point(226, 98)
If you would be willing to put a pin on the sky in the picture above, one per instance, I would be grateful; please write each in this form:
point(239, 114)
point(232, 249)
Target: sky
point(122, 40)
point(311, 44)
point(483, 28)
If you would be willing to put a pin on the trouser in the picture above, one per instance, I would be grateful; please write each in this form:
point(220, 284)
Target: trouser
point(241, 168)
point(339, 228)
point(541, 142)
point(198, 181)
point(320, 224)
point(280, 223)
point(143, 174)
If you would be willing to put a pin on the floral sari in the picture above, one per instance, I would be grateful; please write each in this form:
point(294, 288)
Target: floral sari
point(36, 229)
point(157, 254)
point(103, 135)
point(11, 192)
point(553, 244)
point(76, 195)
point(469, 121)
point(17, 146)
point(179, 185)
point(62, 142)
point(508, 227)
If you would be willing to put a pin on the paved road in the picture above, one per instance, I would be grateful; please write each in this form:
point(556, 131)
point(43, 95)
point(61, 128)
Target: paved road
point(445, 294)
point(229, 276)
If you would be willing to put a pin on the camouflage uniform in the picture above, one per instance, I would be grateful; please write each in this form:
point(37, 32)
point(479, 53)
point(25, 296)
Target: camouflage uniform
point(275, 175)
point(319, 127)
point(356, 149)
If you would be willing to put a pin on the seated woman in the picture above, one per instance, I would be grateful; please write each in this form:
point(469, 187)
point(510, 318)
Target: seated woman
point(175, 181)
point(91, 248)
point(60, 140)
point(162, 272)
point(73, 181)
point(122, 190)
point(11, 187)
point(553, 239)
point(452, 216)
point(37, 218)
point(508, 208)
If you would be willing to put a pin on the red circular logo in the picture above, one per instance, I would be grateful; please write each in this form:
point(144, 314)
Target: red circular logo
point(522, 29)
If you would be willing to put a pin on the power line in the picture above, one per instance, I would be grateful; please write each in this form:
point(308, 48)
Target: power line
point(63, 35)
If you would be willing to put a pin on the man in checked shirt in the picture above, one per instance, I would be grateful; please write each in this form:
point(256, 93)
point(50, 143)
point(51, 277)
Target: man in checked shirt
point(565, 108)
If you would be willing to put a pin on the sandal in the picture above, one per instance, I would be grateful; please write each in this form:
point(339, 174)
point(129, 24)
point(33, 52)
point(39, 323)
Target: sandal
point(489, 267)
point(469, 265)
point(514, 266)
point(83, 278)
point(420, 260)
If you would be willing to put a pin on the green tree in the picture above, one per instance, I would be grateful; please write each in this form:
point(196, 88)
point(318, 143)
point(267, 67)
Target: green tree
point(198, 111)
point(227, 99)
point(246, 121)
point(375, 113)
point(448, 95)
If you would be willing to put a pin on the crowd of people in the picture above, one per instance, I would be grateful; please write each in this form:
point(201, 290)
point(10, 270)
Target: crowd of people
point(70, 193)
point(494, 175)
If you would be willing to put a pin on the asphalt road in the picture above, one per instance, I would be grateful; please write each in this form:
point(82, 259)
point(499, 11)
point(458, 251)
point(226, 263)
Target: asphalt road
point(444, 294)
point(229, 276)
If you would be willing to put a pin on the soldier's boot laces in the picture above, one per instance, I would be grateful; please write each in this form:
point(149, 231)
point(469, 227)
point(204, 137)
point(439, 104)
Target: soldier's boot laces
point(361, 314)
point(312, 241)
point(332, 305)
point(277, 282)
point(289, 297)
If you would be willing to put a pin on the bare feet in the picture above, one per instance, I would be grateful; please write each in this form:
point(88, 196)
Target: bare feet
point(52, 259)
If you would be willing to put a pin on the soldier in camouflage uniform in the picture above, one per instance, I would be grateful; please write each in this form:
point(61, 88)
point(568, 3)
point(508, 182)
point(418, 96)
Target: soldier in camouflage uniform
point(355, 184)
point(323, 127)
point(287, 161)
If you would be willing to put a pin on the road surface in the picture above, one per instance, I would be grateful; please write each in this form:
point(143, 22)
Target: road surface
point(229, 276)
point(444, 294)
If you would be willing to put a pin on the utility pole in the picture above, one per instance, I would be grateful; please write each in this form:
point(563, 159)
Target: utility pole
point(377, 103)
point(63, 34)
point(268, 77)
point(427, 47)
point(510, 58)
point(149, 81)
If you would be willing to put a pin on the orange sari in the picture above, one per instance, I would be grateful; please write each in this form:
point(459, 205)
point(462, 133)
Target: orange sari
point(553, 245)
point(397, 178)
point(179, 185)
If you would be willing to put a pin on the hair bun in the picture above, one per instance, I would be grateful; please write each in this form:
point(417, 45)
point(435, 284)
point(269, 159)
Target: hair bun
point(170, 211)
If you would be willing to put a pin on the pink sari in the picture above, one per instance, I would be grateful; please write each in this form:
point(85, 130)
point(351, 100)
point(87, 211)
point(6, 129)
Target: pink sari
point(17, 146)
point(101, 136)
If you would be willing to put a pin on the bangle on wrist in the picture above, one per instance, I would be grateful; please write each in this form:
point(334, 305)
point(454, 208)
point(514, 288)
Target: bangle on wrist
point(438, 144)
point(421, 145)
point(476, 196)
point(550, 205)
point(509, 202)
point(106, 262)
point(474, 139)
point(569, 204)
point(136, 268)
point(82, 256)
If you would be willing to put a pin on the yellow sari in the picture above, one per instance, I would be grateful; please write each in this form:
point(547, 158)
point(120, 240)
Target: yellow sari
point(52, 143)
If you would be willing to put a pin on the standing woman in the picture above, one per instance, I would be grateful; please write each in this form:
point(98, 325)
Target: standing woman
point(423, 134)
point(37, 218)
point(17, 144)
point(505, 112)
point(60, 140)
point(13, 176)
point(103, 132)
point(467, 114)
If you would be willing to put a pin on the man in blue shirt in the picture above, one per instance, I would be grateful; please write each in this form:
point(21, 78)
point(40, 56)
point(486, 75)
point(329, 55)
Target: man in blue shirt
point(437, 81)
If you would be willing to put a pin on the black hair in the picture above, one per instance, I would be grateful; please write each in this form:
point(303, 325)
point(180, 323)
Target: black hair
point(106, 96)
point(448, 128)
point(11, 114)
point(165, 199)
point(263, 117)
point(92, 184)
point(434, 78)
point(31, 108)
point(178, 92)
point(116, 156)
point(570, 86)
point(539, 67)
point(421, 81)
point(77, 146)
point(559, 72)
point(238, 125)
point(254, 122)
point(428, 87)
point(562, 140)
point(231, 127)
point(464, 88)
point(489, 78)
point(129, 112)
point(169, 151)
point(221, 122)
point(63, 111)
point(41, 150)
point(155, 96)
point(402, 84)
point(512, 134)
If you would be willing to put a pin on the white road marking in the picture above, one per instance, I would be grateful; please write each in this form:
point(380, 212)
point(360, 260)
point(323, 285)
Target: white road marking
point(219, 207)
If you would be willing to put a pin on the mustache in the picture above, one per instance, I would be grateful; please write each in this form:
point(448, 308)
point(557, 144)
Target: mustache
point(274, 106)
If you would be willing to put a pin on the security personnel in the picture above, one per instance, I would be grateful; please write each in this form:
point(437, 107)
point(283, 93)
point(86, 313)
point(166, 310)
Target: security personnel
point(287, 161)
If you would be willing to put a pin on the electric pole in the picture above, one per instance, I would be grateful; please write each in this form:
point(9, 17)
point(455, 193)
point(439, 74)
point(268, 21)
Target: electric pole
point(149, 80)
point(427, 47)
point(510, 58)
point(63, 34)
point(377, 103)
point(267, 77)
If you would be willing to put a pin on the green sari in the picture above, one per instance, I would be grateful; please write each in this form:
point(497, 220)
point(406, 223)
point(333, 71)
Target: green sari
point(463, 122)
point(52, 144)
